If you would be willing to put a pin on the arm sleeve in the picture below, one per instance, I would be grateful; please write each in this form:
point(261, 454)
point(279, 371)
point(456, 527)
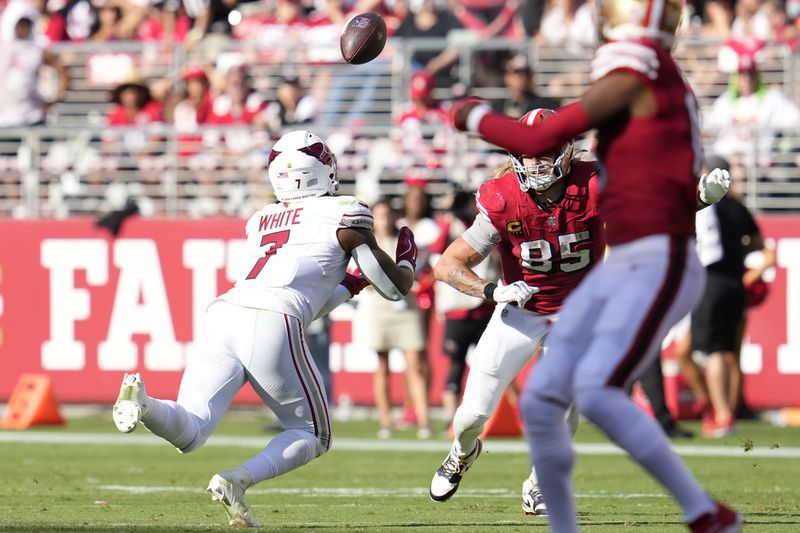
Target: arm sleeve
point(482, 235)
point(371, 269)
point(543, 138)
point(339, 296)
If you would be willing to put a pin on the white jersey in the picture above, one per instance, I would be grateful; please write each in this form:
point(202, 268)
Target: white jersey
point(294, 259)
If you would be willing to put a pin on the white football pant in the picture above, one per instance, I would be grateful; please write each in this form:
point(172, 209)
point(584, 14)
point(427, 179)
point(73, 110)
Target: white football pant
point(239, 345)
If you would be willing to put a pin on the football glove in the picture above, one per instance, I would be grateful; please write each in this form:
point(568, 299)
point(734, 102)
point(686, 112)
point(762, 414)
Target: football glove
point(714, 186)
point(519, 292)
point(354, 282)
point(406, 252)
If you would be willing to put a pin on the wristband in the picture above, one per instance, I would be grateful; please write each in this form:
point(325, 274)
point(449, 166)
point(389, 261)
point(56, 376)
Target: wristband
point(700, 199)
point(488, 291)
point(406, 263)
point(474, 117)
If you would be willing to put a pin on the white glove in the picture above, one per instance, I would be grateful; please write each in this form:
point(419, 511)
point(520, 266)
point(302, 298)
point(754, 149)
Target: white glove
point(519, 292)
point(714, 186)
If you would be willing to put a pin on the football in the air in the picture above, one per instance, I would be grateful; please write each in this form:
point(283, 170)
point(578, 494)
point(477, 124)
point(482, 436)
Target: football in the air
point(363, 38)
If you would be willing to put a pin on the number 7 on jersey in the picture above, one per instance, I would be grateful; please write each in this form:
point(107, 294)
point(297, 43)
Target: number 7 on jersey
point(273, 241)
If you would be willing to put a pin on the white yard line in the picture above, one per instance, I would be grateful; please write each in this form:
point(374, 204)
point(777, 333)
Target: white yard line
point(142, 438)
point(359, 492)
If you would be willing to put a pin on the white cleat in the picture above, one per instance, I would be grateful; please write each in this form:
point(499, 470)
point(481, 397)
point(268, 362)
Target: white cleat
point(532, 500)
point(228, 487)
point(448, 475)
point(127, 412)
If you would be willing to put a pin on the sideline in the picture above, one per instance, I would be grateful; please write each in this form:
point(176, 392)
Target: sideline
point(375, 445)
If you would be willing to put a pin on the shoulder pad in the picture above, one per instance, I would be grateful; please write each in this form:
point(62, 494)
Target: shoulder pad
point(490, 197)
point(357, 214)
point(625, 55)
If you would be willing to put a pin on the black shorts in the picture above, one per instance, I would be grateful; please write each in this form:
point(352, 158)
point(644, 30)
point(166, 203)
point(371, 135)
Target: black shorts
point(460, 334)
point(718, 315)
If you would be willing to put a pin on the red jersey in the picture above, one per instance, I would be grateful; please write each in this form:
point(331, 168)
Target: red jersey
point(554, 248)
point(651, 163)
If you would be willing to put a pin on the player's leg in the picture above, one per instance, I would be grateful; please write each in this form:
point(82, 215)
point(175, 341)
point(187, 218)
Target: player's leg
point(546, 400)
point(282, 372)
point(212, 378)
point(505, 346)
point(455, 347)
point(650, 288)
point(381, 393)
point(280, 369)
point(532, 498)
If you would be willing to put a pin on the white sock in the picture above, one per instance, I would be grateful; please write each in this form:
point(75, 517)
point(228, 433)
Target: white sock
point(551, 450)
point(288, 450)
point(170, 421)
point(467, 427)
point(641, 436)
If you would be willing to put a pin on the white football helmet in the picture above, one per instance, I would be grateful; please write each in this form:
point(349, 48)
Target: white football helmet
point(302, 166)
point(549, 170)
point(619, 20)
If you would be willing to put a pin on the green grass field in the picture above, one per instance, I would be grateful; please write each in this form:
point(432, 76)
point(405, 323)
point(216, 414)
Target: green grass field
point(87, 477)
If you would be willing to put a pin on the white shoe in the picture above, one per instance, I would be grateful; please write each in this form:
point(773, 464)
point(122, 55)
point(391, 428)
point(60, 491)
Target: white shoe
point(448, 475)
point(127, 412)
point(532, 500)
point(228, 487)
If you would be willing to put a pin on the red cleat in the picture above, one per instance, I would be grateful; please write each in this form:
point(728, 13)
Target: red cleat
point(723, 520)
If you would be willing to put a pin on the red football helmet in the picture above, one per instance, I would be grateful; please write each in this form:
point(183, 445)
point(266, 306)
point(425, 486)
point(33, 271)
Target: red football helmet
point(548, 169)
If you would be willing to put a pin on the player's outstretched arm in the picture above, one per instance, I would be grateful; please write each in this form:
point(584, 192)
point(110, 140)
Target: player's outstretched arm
point(455, 268)
point(391, 278)
point(607, 97)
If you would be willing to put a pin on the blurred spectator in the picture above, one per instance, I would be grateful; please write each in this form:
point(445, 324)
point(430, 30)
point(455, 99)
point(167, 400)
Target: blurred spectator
point(424, 130)
point(750, 21)
point(781, 31)
point(749, 115)
point(75, 20)
point(21, 58)
point(519, 82)
point(569, 23)
point(531, 12)
point(293, 105)
point(427, 19)
point(393, 325)
point(726, 233)
point(108, 20)
point(238, 103)
point(490, 18)
point(134, 106)
point(193, 110)
point(465, 317)
point(210, 17)
point(418, 215)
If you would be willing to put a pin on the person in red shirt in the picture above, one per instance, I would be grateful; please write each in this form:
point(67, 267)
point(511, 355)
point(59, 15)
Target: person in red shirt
point(612, 325)
point(542, 216)
point(134, 105)
point(192, 111)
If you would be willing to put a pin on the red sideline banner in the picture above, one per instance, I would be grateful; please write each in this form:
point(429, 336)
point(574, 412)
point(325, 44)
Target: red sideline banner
point(84, 308)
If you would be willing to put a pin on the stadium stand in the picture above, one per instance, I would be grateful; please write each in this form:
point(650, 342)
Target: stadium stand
point(80, 164)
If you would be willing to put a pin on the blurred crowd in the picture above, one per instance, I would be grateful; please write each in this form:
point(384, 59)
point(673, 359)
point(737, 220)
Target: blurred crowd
point(223, 106)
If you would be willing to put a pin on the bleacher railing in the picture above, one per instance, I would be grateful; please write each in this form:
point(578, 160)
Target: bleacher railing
point(77, 165)
point(58, 172)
